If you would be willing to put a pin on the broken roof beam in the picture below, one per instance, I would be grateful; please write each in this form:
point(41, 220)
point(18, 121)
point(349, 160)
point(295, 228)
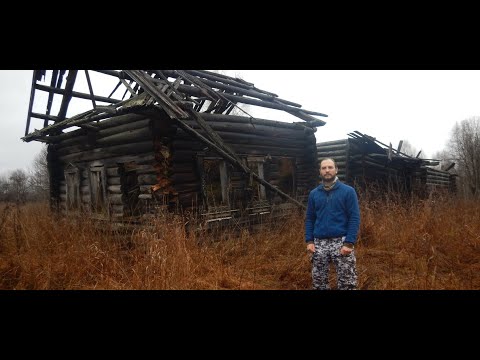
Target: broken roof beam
point(234, 89)
point(193, 91)
point(53, 82)
point(32, 96)
point(228, 79)
point(76, 94)
point(67, 96)
point(146, 82)
point(101, 112)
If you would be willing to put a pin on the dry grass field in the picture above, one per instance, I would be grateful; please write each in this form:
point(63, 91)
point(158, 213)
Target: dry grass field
point(418, 245)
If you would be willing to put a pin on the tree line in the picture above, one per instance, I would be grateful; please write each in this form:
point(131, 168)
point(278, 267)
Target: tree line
point(22, 185)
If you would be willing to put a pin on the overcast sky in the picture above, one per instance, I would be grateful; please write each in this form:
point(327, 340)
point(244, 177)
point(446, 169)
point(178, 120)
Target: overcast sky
point(420, 106)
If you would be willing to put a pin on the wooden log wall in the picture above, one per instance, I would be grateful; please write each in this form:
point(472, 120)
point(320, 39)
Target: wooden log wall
point(120, 140)
point(429, 179)
point(150, 162)
point(366, 167)
point(246, 137)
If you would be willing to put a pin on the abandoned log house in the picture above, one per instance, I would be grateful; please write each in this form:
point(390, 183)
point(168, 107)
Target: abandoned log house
point(368, 164)
point(170, 140)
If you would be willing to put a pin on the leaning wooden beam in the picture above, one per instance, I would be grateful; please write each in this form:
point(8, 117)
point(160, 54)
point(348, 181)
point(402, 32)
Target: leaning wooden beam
point(214, 137)
point(32, 97)
point(90, 89)
point(50, 95)
point(146, 82)
point(72, 75)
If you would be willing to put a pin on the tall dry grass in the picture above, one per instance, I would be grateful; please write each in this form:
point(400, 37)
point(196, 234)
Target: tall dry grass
point(416, 245)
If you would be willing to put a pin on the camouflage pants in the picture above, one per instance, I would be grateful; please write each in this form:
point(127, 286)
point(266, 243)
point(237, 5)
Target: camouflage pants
point(327, 251)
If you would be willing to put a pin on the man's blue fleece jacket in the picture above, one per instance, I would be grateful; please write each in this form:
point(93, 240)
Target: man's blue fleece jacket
point(332, 213)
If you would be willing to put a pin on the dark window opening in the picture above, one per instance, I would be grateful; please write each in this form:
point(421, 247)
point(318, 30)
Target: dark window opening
point(72, 181)
point(215, 184)
point(256, 165)
point(286, 170)
point(98, 192)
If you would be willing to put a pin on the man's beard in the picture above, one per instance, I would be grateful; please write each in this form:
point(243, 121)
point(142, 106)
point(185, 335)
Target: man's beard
point(330, 178)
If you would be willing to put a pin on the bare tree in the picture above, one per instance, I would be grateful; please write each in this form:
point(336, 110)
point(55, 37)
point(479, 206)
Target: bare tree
point(19, 185)
point(465, 147)
point(4, 188)
point(410, 150)
point(39, 179)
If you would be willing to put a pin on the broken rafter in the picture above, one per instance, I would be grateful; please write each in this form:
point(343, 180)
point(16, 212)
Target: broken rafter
point(90, 89)
point(32, 97)
point(101, 112)
point(74, 94)
point(147, 84)
point(67, 96)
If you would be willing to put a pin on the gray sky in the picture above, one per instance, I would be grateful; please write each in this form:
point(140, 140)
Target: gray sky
point(420, 106)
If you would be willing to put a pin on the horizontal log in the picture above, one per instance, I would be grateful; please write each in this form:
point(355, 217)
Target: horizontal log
point(264, 150)
point(112, 151)
point(147, 179)
point(129, 136)
point(249, 128)
point(112, 171)
point(239, 138)
point(333, 143)
point(92, 138)
point(120, 120)
point(113, 180)
point(114, 189)
point(115, 199)
point(334, 153)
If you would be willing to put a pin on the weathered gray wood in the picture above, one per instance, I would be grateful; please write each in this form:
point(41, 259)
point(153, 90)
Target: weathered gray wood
point(236, 119)
point(112, 171)
point(120, 120)
point(76, 94)
point(132, 125)
point(114, 189)
point(115, 199)
point(113, 180)
point(112, 151)
point(194, 91)
point(130, 136)
point(258, 130)
point(67, 94)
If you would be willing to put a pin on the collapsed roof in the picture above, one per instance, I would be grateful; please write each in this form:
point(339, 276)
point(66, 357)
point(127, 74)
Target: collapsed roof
point(382, 151)
point(172, 90)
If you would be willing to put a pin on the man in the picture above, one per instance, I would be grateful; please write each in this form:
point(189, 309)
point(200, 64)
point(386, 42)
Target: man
point(331, 228)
